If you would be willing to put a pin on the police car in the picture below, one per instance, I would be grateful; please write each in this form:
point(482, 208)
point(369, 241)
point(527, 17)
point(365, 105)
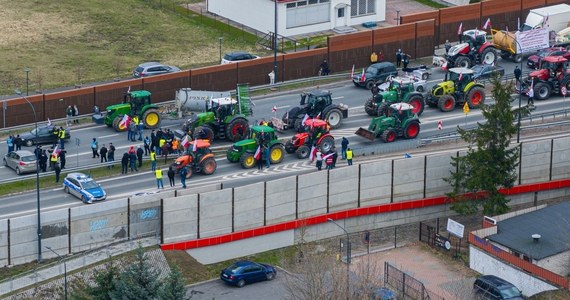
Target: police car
point(83, 187)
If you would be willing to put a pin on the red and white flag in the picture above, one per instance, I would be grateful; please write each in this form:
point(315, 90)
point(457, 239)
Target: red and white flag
point(55, 151)
point(439, 125)
point(313, 152)
point(129, 89)
point(304, 119)
point(318, 116)
point(257, 154)
point(195, 146)
point(460, 29)
point(274, 109)
point(460, 76)
point(363, 76)
point(185, 141)
point(49, 123)
point(352, 72)
point(327, 156)
point(487, 23)
point(124, 122)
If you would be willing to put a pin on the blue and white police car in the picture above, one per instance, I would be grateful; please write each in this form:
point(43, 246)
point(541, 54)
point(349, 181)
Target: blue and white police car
point(83, 187)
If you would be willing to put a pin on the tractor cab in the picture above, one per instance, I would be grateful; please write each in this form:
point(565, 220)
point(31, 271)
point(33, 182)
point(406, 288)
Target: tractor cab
point(460, 76)
point(137, 100)
point(191, 157)
point(474, 37)
point(316, 100)
point(401, 111)
point(316, 127)
point(401, 84)
point(223, 107)
point(262, 134)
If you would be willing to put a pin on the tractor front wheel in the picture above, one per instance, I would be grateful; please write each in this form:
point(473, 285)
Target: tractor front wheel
point(388, 136)
point(542, 91)
point(412, 130)
point(463, 62)
point(489, 56)
point(370, 107)
point(476, 97)
point(116, 124)
point(209, 166)
point(237, 129)
point(151, 118)
point(303, 152)
point(446, 103)
point(417, 101)
point(334, 118)
point(276, 154)
point(289, 147)
point(326, 144)
point(247, 160)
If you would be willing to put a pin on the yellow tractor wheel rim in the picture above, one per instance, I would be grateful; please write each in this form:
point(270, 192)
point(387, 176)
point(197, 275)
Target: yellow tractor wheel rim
point(276, 154)
point(151, 119)
point(249, 161)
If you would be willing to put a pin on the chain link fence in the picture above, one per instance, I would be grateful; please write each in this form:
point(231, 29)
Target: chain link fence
point(406, 286)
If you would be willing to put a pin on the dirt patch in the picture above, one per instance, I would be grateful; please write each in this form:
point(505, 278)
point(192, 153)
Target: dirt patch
point(191, 269)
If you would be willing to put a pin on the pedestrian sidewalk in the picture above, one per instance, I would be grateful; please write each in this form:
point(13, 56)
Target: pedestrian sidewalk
point(73, 262)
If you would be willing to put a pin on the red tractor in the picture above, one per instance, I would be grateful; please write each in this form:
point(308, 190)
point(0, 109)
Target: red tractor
point(473, 49)
point(315, 132)
point(554, 73)
point(200, 161)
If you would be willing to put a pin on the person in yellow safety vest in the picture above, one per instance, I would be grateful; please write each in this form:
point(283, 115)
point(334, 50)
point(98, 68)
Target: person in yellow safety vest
point(349, 156)
point(158, 174)
point(61, 136)
point(373, 57)
point(136, 120)
point(161, 143)
point(153, 160)
point(53, 159)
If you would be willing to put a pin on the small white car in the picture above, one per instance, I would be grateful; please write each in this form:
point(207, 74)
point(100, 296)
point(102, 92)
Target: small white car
point(419, 84)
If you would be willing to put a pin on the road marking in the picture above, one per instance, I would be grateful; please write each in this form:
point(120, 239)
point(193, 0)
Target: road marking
point(107, 136)
point(334, 98)
point(285, 106)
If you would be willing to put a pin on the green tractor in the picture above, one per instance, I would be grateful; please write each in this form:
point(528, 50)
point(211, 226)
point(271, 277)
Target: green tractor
point(456, 90)
point(135, 103)
point(401, 89)
point(244, 151)
point(223, 119)
point(400, 121)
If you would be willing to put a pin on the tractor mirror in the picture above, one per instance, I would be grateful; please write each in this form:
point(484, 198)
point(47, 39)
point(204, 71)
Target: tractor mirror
point(303, 98)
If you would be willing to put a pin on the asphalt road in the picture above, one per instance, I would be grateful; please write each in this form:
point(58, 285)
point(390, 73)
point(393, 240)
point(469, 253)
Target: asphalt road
point(232, 174)
point(216, 289)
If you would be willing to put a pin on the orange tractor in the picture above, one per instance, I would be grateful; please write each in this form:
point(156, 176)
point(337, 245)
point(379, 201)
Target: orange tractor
point(200, 161)
point(315, 132)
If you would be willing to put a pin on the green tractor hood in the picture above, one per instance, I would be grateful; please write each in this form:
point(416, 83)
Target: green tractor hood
point(247, 143)
point(118, 106)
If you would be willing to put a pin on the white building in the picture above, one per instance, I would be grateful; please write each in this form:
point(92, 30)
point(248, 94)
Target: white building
point(296, 17)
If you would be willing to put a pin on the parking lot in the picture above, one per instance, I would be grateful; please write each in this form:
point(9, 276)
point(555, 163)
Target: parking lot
point(216, 289)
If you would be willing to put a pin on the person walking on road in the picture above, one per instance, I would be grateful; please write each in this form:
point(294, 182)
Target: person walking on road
point(103, 153)
point(319, 158)
point(344, 146)
point(62, 160)
point(57, 170)
point(124, 163)
point(18, 142)
point(140, 128)
point(146, 145)
point(373, 57)
point(111, 154)
point(406, 59)
point(10, 143)
point(133, 161)
point(518, 74)
point(398, 58)
point(43, 161)
point(530, 95)
point(349, 156)
point(170, 174)
point(334, 157)
point(75, 114)
point(153, 160)
point(267, 157)
point(158, 175)
point(183, 173)
point(68, 115)
point(140, 153)
point(95, 148)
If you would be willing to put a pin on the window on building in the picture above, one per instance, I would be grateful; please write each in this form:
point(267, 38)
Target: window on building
point(291, 5)
point(340, 12)
point(362, 7)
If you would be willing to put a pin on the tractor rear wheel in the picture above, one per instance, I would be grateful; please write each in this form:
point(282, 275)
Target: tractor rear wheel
point(247, 160)
point(289, 147)
point(334, 118)
point(303, 152)
point(151, 118)
point(542, 91)
point(276, 154)
point(116, 123)
point(326, 144)
point(388, 136)
point(489, 56)
point(383, 109)
point(417, 101)
point(370, 107)
point(209, 166)
point(412, 130)
point(237, 129)
point(463, 62)
point(476, 97)
point(204, 132)
point(446, 103)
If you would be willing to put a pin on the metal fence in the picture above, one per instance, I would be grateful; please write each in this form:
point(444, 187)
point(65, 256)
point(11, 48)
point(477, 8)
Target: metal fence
point(407, 286)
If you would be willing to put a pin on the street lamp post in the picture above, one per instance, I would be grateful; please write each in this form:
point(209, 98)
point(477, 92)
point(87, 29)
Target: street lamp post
point(520, 97)
point(347, 256)
point(220, 39)
point(39, 229)
point(27, 70)
point(64, 271)
point(275, 41)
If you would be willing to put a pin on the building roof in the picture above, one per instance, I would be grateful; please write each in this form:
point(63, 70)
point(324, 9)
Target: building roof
point(552, 223)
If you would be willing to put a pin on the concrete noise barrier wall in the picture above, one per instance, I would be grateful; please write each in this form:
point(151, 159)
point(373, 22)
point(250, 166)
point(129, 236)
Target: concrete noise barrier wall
point(281, 200)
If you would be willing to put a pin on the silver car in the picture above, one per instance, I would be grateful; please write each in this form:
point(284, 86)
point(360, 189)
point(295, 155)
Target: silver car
point(22, 161)
point(153, 68)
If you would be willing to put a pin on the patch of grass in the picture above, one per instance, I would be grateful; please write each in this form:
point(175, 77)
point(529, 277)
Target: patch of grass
point(431, 3)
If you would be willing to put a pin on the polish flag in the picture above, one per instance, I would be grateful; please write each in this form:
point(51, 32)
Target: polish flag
point(318, 116)
point(257, 154)
point(487, 23)
point(124, 122)
point(363, 76)
point(49, 123)
point(185, 142)
point(129, 89)
point(460, 29)
point(352, 72)
point(305, 119)
point(313, 152)
point(195, 146)
point(274, 109)
point(327, 156)
point(55, 151)
point(460, 76)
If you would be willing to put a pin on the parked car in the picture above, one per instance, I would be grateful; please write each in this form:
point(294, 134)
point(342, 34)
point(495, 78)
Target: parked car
point(493, 287)
point(534, 61)
point(21, 161)
point(237, 56)
point(153, 68)
point(83, 187)
point(419, 84)
point(243, 272)
point(384, 294)
point(374, 74)
point(487, 71)
point(43, 135)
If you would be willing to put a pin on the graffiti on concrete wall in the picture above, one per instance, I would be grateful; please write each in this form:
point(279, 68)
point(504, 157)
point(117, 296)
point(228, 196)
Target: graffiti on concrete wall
point(97, 225)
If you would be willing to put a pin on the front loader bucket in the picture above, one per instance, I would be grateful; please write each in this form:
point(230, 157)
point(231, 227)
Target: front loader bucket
point(365, 133)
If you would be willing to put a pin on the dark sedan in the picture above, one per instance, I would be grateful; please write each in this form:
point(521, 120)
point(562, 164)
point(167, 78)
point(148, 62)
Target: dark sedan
point(243, 272)
point(534, 61)
point(44, 136)
point(487, 71)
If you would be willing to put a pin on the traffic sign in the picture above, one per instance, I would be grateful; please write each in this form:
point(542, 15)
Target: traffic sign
point(466, 108)
point(439, 125)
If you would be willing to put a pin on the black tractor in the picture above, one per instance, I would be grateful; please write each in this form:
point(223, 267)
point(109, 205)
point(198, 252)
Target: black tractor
point(316, 104)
